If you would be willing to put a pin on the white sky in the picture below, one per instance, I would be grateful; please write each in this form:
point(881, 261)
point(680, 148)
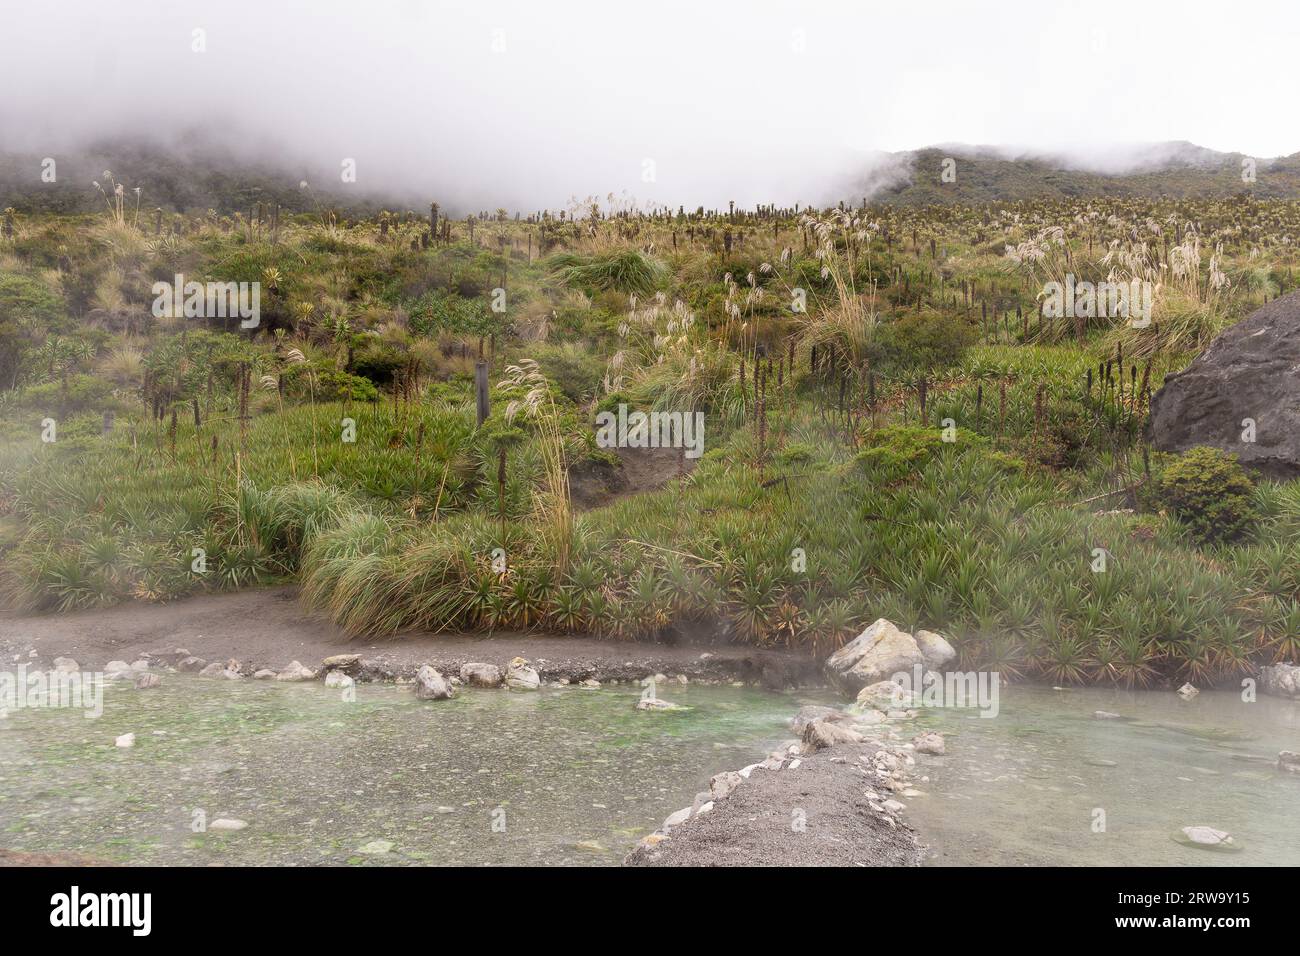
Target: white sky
point(752, 100)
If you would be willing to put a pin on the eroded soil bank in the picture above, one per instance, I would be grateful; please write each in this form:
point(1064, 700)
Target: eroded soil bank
point(268, 628)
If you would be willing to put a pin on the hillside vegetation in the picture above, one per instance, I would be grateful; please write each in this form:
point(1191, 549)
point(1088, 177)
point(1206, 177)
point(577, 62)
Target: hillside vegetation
point(892, 426)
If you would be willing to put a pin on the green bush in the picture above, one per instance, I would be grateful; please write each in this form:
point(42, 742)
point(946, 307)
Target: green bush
point(898, 452)
point(1210, 492)
point(574, 368)
point(924, 342)
point(443, 312)
point(329, 385)
point(624, 271)
point(379, 365)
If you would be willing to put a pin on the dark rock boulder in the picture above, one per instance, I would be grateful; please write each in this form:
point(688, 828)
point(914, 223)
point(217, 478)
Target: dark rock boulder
point(1251, 371)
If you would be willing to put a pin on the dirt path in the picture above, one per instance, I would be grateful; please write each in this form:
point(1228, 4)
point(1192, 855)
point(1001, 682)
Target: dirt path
point(270, 628)
point(814, 815)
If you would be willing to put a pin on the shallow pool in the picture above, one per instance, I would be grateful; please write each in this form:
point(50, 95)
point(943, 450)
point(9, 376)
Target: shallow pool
point(563, 775)
point(1046, 782)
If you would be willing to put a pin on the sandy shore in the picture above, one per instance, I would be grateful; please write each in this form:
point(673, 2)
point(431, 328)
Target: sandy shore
point(268, 628)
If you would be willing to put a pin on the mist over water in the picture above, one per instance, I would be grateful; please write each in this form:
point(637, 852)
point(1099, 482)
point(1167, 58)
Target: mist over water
point(526, 105)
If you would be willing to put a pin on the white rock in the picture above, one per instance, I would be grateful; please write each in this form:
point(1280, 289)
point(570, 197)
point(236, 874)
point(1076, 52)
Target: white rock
point(66, 665)
point(227, 825)
point(1206, 836)
point(935, 647)
point(337, 678)
point(126, 740)
point(677, 818)
point(264, 674)
point(1105, 715)
point(1187, 692)
point(296, 671)
point(376, 847)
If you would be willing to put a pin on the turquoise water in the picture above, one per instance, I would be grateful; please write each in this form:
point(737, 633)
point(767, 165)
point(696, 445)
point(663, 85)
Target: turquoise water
point(563, 775)
point(1023, 787)
point(575, 776)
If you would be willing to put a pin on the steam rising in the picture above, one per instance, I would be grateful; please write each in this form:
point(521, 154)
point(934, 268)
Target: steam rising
point(524, 105)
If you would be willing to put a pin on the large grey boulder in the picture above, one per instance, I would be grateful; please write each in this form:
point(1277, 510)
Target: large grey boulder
point(876, 654)
point(431, 685)
point(827, 733)
point(810, 712)
point(1251, 371)
point(1280, 680)
point(520, 675)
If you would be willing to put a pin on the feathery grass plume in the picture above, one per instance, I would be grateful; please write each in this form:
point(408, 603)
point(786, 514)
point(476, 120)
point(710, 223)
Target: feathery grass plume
point(555, 506)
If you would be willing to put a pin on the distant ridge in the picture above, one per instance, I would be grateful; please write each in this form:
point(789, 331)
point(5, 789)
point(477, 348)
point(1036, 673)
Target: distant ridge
point(982, 174)
point(192, 174)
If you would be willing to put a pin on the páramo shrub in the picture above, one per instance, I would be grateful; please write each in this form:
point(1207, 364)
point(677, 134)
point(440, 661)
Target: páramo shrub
point(898, 452)
point(329, 385)
point(379, 365)
point(1062, 442)
point(1210, 493)
point(922, 342)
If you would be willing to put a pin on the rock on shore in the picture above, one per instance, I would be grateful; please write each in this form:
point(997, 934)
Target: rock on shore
point(1280, 680)
point(431, 685)
point(881, 651)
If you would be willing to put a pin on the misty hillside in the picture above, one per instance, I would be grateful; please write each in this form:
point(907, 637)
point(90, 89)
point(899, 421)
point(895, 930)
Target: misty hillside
point(1173, 170)
point(193, 175)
